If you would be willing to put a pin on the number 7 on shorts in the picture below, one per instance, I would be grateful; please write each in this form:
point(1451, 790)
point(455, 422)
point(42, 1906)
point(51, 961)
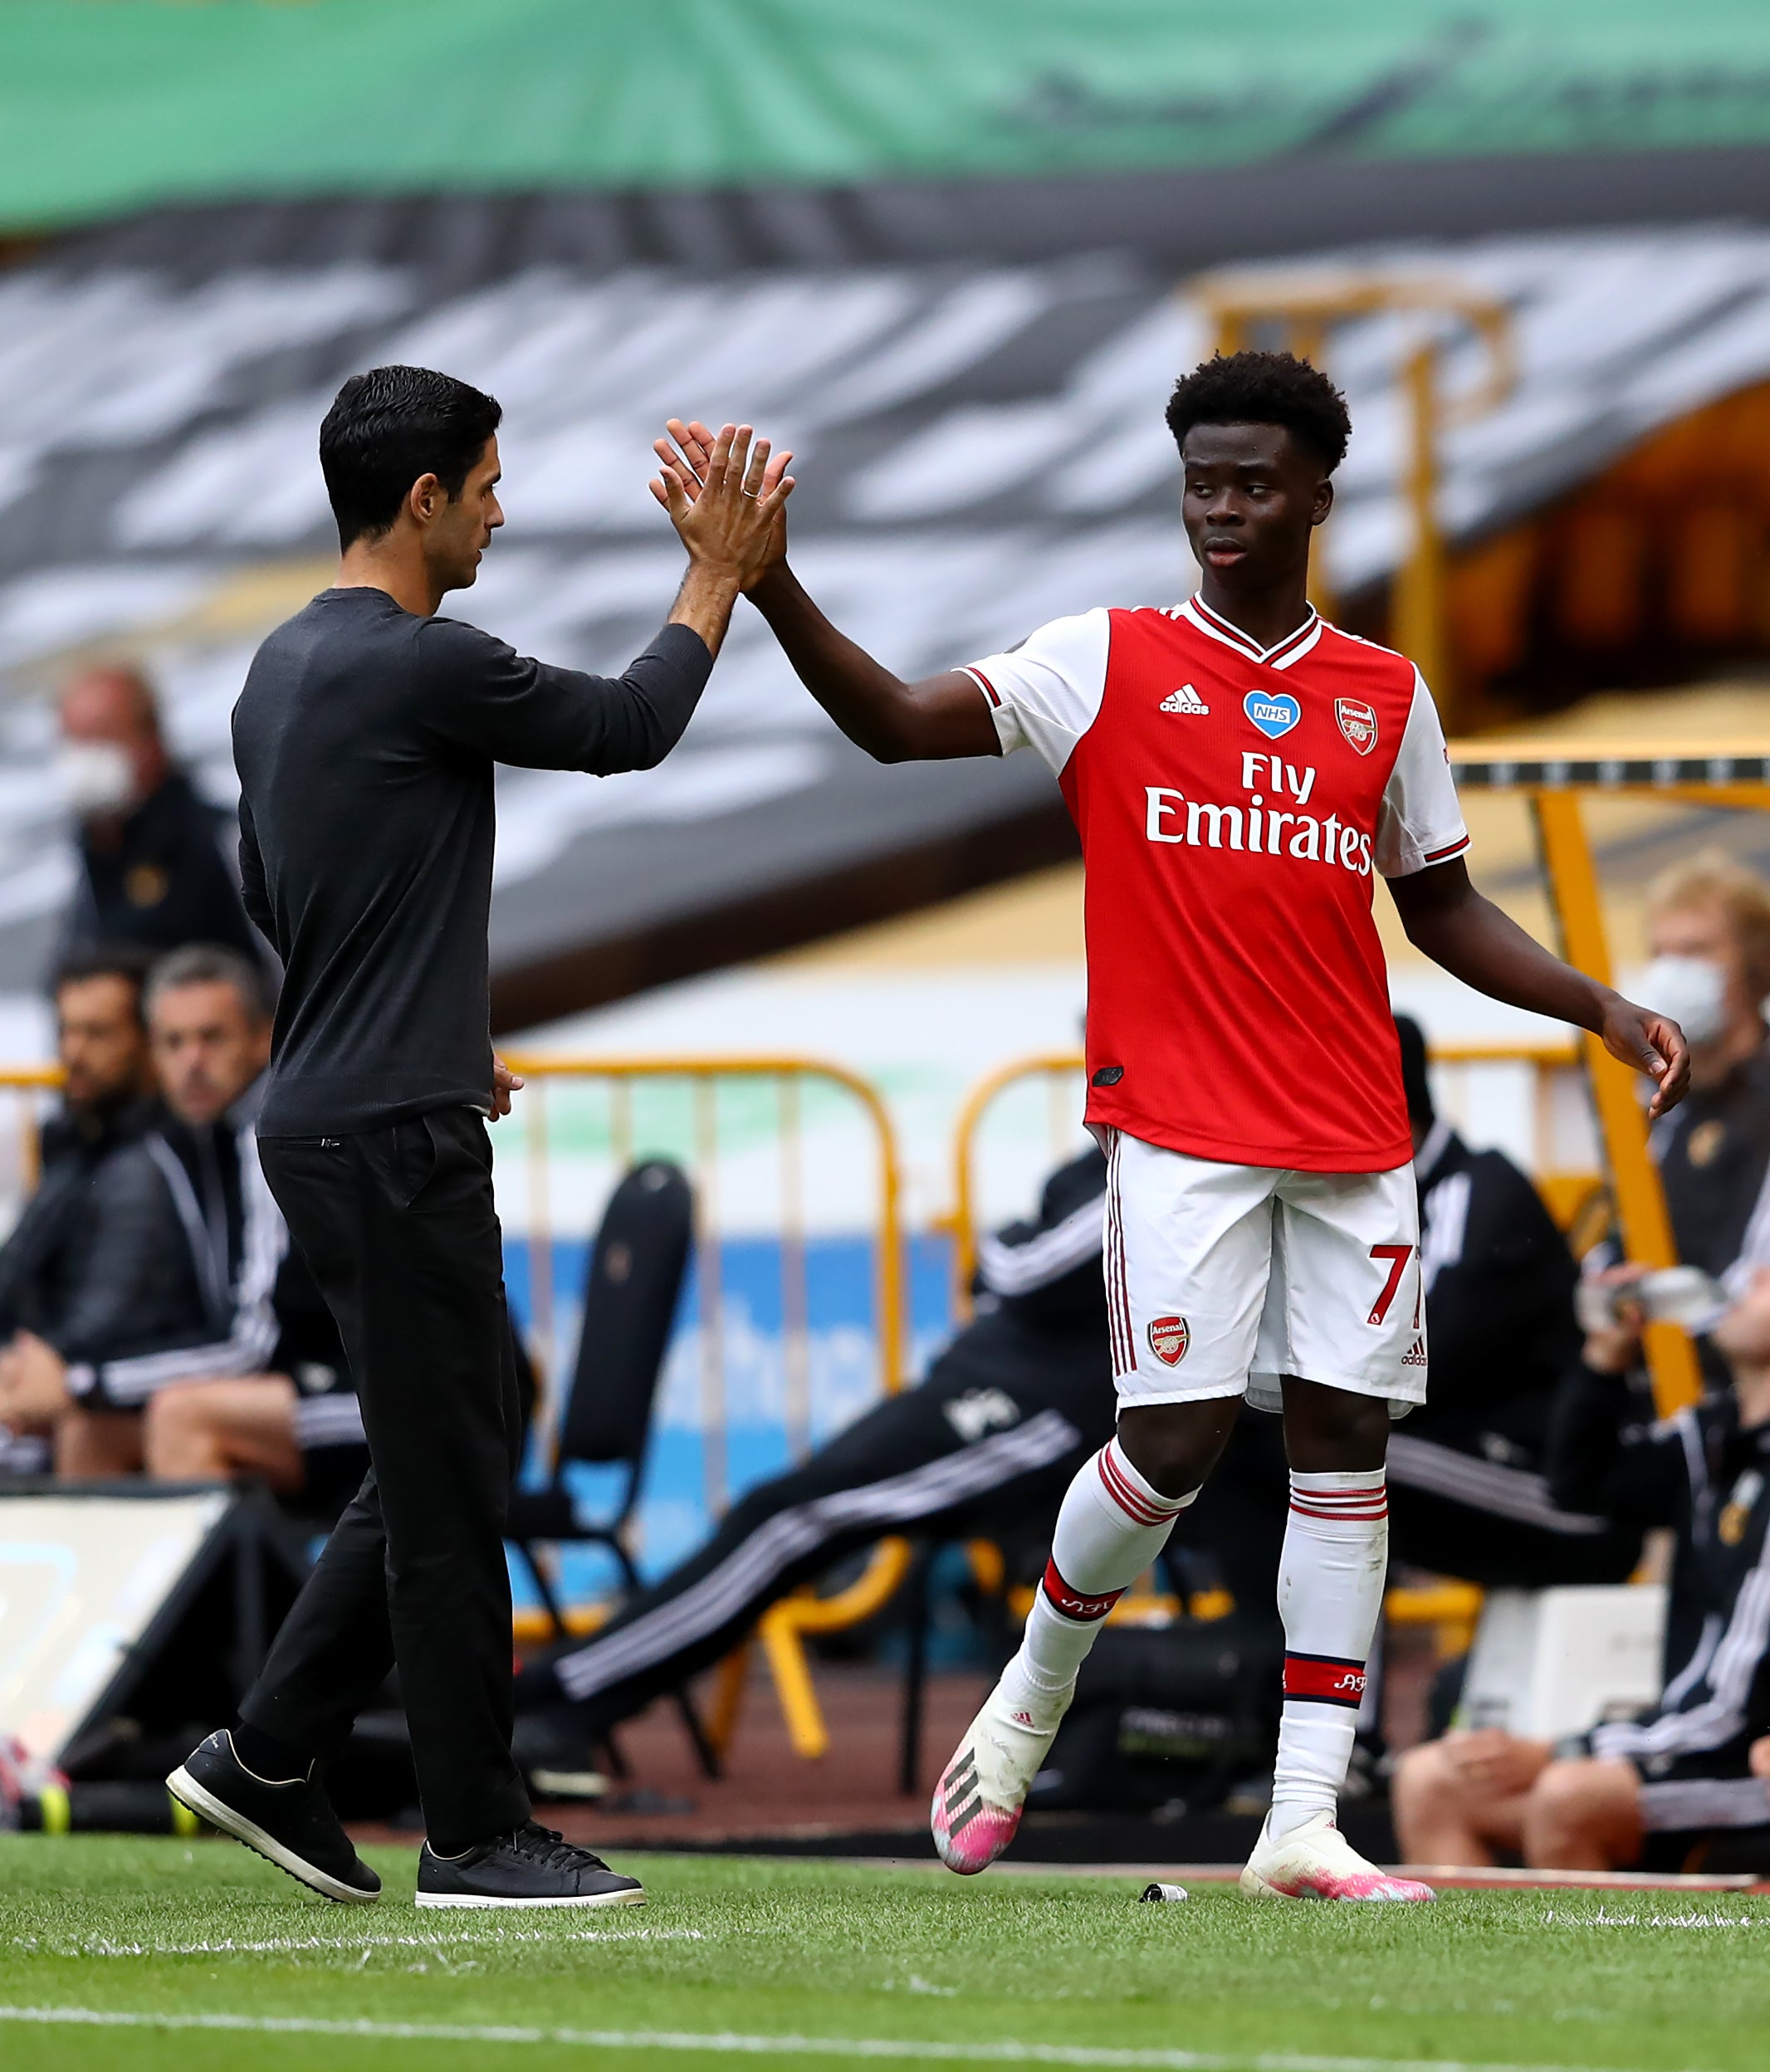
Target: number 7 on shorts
point(1397, 1255)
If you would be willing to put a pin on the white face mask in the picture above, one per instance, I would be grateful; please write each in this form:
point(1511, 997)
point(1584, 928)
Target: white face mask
point(1691, 989)
point(96, 777)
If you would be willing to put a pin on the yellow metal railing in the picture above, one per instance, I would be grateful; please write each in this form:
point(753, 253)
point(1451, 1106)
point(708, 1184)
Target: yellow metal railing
point(789, 1076)
point(1552, 776)
point(25, 1082)
point(784, 1627)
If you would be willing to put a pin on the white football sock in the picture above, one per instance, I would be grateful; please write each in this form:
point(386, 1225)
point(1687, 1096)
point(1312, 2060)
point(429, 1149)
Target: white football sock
point(1330, 1596)
point(1112, 1526)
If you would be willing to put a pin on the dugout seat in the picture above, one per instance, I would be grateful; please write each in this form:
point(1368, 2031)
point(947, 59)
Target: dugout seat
point(635, 1279)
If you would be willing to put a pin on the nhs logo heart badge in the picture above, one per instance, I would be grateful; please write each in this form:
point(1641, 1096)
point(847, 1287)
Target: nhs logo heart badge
point(1274, 713)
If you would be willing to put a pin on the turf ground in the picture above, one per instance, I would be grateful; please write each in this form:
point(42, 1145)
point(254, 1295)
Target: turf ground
point(153, 1955)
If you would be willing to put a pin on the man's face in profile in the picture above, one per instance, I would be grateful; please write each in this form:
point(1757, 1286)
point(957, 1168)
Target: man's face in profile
point(462, 529)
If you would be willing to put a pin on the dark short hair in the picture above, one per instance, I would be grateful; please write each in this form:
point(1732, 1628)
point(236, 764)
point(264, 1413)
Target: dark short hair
point(212, 964)
point(387, 427)
point(1416, 1085)
point(128, 961)
point(1264, 388)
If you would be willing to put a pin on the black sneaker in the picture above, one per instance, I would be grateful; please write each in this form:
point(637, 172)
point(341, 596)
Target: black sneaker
point(531, 1866)
point(291, 1825)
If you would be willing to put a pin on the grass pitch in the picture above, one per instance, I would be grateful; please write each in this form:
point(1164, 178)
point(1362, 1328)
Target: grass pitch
point(157, 1955)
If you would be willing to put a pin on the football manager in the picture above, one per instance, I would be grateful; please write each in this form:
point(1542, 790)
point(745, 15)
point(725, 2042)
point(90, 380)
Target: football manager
point(366, 738)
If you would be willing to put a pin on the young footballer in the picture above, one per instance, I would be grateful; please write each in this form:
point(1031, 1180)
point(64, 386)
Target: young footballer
point(1239, 771)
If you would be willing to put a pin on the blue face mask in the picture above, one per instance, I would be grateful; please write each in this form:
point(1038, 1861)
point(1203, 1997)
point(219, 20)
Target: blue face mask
point(1691, 989)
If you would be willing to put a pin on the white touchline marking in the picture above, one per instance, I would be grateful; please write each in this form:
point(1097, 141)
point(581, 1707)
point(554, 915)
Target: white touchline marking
point(96, 1946)
point(729, 2043)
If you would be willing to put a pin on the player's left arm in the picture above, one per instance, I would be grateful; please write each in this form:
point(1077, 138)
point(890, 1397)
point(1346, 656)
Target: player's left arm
point(1467, 934)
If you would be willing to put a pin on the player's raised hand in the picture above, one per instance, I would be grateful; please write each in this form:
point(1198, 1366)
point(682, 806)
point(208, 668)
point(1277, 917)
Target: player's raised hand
point(1653, 1044)
point(687, 459)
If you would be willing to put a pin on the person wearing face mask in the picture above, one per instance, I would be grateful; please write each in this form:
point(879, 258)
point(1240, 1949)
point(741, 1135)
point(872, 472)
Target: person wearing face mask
point(153, 867)
point(1709, 926)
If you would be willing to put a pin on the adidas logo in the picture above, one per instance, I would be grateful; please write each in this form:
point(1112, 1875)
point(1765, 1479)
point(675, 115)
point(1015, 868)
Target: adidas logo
point(1184, 699)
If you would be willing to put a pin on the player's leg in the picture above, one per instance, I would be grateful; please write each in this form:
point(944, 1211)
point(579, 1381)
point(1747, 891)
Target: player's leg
point(215, 1431)
point(1343, 1309)
point(1585, 1815)
point(1187, 1243)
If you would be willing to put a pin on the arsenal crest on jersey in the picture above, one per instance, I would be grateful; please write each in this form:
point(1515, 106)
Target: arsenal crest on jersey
point(1169, 1337)
point(1358, 723)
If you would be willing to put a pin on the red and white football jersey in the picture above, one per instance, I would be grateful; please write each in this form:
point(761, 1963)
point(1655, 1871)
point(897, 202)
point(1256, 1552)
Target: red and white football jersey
point(1233, 805)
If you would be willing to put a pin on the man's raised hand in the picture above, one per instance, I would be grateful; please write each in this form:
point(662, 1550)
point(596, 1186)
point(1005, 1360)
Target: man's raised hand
point(687, 461)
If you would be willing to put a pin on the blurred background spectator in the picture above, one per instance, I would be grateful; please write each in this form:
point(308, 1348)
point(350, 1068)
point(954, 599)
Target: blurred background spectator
point(101, 1045)
point(1648, 1790)
point(159, 866)
point(1709, 928)
point(191, 1342)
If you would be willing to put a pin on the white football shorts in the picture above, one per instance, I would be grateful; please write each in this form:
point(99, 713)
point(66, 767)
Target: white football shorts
point(1222, 1279)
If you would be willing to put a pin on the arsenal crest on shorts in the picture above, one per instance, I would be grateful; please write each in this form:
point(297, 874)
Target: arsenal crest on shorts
point(1169, 1337)
point(1358, 723)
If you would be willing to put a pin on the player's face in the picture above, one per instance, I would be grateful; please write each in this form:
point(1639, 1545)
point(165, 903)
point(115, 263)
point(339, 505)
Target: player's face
point(1251, 499)
point(461, 527)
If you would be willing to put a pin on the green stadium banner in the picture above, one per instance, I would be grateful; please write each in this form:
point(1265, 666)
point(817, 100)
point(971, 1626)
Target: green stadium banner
point(112, 104)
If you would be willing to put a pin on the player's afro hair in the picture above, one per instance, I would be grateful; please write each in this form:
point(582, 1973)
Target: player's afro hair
point(1264, 388)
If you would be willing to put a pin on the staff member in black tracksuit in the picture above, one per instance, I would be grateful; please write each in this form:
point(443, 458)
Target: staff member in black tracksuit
point(366, 739)
point(188, 1315)
point(986, 1444)
point(46, 1263)
point(1654, 1788)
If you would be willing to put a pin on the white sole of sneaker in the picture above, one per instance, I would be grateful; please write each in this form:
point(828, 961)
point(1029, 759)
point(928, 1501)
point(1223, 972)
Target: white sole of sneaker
point(191, 1794)
point(474, 1899)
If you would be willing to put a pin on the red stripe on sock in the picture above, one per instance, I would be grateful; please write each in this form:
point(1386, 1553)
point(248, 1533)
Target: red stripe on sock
point(1329, 1679)
point(1072, 1603)
point(1131, 1500)
point(1373, 1512)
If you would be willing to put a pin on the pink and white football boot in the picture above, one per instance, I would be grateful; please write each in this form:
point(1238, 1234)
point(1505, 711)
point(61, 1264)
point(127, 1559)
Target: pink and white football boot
point(978, 1801)
point(1316, 1861)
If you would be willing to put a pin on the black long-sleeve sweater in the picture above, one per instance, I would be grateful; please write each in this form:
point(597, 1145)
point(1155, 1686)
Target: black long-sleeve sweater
point(366, 739)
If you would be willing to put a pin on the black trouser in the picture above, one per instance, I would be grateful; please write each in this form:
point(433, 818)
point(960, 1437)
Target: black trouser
point(399, 1228)
point(986, 1445)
